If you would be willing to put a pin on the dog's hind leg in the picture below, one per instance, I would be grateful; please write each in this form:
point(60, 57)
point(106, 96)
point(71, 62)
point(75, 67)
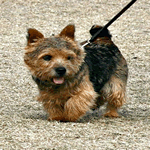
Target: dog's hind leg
point(114, 94)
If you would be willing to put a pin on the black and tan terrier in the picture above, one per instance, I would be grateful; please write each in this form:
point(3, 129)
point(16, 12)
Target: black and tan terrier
point(73, 80)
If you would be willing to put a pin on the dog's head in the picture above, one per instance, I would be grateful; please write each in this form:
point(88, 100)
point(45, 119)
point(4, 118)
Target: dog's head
point(55, 60)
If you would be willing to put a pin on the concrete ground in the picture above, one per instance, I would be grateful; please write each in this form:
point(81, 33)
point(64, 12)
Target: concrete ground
point(23, 123)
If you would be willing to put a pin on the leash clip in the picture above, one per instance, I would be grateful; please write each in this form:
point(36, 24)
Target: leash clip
point(87, 42)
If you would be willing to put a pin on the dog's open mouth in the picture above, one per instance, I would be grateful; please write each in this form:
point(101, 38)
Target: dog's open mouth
point(59, 80)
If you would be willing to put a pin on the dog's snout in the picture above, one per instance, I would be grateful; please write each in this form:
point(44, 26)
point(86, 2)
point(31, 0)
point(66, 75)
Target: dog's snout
point(60, 71)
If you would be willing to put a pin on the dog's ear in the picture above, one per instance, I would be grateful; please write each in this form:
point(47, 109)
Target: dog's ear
point(68, 31)
point(33, 36)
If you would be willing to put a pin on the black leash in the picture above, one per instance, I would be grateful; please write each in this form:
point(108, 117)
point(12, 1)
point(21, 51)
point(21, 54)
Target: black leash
point(110, 22)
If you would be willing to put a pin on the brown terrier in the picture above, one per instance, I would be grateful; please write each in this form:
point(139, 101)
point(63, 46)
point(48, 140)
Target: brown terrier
point(73, 80)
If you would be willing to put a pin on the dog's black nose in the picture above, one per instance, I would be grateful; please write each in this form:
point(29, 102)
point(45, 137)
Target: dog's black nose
point(60, 71)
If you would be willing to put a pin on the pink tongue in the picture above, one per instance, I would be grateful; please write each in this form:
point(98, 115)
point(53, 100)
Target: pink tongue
point(58, 80)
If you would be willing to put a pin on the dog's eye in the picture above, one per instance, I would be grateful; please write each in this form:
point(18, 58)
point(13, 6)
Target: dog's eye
point(47, 57)
point(69, 57)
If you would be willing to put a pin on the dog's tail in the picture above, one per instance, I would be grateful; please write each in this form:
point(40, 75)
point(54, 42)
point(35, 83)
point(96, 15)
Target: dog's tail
point(111, 21)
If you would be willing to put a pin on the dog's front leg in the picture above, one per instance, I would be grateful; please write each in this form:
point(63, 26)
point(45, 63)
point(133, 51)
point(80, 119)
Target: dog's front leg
point(78, 105)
